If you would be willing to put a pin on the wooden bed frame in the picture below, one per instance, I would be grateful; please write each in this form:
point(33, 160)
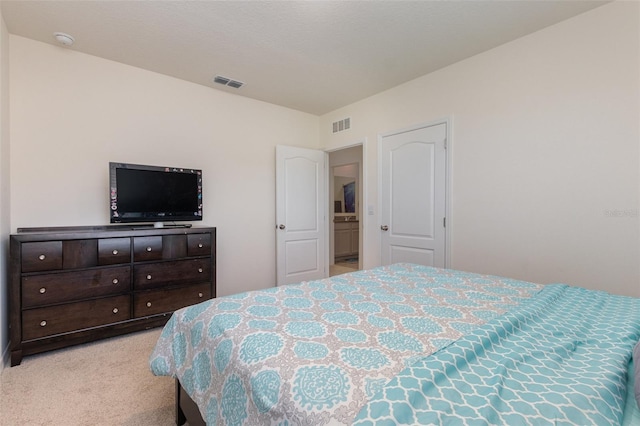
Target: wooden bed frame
point(186, 409)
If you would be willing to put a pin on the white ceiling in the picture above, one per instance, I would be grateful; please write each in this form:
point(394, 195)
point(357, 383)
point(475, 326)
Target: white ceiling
point(312, 56)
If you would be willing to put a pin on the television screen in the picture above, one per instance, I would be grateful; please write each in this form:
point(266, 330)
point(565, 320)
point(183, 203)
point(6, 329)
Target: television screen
point(142, 193)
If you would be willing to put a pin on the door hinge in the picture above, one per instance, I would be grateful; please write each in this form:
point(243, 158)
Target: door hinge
point(445, 143)
point(444, 222)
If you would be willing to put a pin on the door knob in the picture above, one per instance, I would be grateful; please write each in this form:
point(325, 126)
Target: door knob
point(384, 227)
point(281, 226)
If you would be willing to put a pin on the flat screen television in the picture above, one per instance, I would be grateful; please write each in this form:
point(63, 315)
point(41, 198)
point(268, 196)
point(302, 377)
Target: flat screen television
point(157, 194)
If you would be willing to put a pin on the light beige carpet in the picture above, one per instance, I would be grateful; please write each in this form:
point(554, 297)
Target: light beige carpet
point(102, 383)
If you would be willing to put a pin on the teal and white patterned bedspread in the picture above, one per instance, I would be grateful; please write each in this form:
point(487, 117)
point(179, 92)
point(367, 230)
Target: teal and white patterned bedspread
point(314, 353)
point(560, 358)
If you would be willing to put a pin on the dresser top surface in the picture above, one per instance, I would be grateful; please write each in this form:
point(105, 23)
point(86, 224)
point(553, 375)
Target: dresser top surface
point(113, 231)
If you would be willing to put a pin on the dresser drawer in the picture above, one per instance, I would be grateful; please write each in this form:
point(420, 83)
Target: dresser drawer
point(41, 256)
point(198, 244)
point(42, 322)
point(161, 301)
point(114, 250)
point(147, 248)
point(153, 275)
point(46, 289)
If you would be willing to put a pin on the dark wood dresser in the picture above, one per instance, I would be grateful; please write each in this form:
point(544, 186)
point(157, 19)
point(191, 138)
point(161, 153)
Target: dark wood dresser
point(71, 285)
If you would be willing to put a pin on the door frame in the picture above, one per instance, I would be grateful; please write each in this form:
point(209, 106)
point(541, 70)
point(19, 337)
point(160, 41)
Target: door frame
point(448, 122)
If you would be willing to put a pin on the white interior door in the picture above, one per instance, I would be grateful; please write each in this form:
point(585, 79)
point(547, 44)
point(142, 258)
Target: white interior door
point(413, 188)
point(301, 206)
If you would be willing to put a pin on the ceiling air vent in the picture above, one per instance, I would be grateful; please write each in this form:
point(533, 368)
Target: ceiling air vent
point(342, 125)
point(227, 82)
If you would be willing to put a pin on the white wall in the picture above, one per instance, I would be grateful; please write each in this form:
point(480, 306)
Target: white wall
point(72, 113)
point(545, 146)
point(4, 189)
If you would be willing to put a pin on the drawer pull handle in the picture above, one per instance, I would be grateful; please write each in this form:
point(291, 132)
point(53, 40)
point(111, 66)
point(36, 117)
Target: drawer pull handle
point(115, 281)
point(148, 304)
point(200, 294)
point(43, 323)
point(115, 251)
point(200, 245)
point(42, 257)
point(149, 276)
point(149, 249)
point(115, 310)
point(43, 290)
point(200, 270)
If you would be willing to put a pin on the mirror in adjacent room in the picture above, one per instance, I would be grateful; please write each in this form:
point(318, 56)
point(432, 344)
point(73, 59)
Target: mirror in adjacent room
point(345, 180)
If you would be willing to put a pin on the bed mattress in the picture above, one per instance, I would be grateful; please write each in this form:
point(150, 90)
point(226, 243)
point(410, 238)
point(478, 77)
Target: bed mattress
point(404, 344)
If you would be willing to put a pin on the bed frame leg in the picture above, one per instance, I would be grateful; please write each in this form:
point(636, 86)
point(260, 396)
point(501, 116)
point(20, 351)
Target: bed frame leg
point(180, 417)
point(186, 409)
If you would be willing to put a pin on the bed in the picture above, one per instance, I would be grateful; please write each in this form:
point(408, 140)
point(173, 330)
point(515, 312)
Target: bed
point(404, 344)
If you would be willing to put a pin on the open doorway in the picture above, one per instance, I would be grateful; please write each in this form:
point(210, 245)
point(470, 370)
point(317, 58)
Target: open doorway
point(345, 197)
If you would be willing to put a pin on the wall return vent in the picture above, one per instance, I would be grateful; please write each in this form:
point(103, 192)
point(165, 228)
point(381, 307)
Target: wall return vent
point(342, 125)
point(227, 82)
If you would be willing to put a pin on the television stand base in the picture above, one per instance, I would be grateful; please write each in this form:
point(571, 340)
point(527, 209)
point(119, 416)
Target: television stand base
point(171, 225)
point(164, 225)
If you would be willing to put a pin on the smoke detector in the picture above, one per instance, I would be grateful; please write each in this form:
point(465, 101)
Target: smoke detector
point(64, 39)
